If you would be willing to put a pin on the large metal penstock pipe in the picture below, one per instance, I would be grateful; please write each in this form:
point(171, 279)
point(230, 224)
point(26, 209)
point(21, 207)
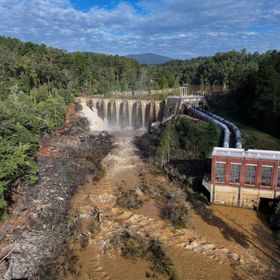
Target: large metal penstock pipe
point(231, 126)
point(208, 118)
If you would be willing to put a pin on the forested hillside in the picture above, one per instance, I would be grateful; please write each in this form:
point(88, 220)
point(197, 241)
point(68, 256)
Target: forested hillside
point(33, 65)
point(220, 69)
point(149, 58)
point(258, 94)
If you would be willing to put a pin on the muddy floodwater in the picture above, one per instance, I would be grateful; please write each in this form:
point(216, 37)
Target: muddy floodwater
point(220, 243)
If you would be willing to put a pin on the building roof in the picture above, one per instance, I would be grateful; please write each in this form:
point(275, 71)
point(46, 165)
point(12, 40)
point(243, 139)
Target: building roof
point(242, 153)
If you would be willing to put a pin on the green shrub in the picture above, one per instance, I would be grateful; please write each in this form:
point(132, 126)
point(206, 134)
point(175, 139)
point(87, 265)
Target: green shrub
point(135, 246)
point(178, 214)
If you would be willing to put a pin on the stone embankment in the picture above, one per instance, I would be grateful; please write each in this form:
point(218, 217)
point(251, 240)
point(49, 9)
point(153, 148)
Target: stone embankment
point(38, 230)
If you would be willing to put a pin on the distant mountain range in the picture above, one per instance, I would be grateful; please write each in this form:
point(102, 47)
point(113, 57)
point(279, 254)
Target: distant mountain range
point(149, 58)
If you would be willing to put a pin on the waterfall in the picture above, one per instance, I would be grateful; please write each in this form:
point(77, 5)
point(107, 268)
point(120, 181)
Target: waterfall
point(117, 104)
point(138, 115)
point(93, 103)
point(122, 113)
point(112, 119)
point(130, 107)
point(143, 108)
point(95, 122)
point(99, 108)
point(152, 114)
point(157, 109)
point(105, 110)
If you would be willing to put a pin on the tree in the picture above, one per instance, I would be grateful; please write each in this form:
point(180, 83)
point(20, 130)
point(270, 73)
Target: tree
point(169, 140)
point(164, 146)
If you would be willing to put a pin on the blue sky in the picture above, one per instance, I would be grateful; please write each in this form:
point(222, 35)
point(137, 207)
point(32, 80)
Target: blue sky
point(85, 5)
point(176, 28)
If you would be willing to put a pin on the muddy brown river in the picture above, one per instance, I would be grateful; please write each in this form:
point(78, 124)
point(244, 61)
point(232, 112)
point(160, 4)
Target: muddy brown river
point(220, 243)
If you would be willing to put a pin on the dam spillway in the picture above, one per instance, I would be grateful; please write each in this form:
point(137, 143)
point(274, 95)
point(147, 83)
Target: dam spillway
point(128, 113)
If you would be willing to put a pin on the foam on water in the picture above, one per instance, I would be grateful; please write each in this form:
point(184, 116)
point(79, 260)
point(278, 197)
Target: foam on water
point(95, 122)
point(123, 156)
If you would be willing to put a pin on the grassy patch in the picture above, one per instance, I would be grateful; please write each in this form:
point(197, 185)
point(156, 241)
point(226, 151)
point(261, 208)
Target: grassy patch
point(252, 137)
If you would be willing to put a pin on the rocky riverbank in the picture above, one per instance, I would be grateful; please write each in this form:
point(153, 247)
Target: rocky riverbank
point(37, 232)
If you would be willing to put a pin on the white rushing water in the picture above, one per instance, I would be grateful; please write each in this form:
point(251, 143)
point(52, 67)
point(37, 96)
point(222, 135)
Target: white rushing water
point(98, 124)
point(124, 156)
point(95, 122)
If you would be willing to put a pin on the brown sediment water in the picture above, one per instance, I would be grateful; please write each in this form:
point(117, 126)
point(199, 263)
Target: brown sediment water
point(221, 242)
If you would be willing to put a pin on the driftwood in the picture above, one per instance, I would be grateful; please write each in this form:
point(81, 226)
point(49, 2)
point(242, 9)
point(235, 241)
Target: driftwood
point(7, 255)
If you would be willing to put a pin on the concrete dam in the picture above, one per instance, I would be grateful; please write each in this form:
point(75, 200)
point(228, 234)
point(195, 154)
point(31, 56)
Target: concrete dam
point(128, 113)
point(133, 114)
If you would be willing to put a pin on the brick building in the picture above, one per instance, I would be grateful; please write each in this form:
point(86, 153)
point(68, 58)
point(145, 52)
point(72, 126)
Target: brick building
point(241, 177)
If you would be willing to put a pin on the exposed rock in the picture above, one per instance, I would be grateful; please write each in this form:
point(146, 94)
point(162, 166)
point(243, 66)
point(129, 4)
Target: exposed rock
point(193, 245)
point(209, 246)
point(235, 256)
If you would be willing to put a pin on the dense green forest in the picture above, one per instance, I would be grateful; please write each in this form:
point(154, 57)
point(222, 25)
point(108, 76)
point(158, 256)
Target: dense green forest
point(257, 94)
point(37, 82)
point(218, 70)
point(31, 65)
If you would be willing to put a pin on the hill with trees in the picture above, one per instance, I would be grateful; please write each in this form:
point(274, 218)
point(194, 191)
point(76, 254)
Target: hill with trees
point(149, 58)
point(258, 94)
point(217, 70)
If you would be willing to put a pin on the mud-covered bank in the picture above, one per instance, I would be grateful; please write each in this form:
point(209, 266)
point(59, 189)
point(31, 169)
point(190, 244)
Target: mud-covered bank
point(38, 230)
point(242, 236)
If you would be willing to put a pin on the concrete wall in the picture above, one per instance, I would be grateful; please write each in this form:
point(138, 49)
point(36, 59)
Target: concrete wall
point(236, 196)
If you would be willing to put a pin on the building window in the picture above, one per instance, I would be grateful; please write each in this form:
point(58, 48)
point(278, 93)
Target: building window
point(250, 174)
point(278, 178)
point(235, 173)
point(266, 175)
point(220, 171)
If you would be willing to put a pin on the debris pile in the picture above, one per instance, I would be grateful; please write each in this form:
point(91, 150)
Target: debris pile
point(38, 231)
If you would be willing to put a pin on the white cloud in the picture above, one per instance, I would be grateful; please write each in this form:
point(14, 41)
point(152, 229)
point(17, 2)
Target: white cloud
point(177, 28)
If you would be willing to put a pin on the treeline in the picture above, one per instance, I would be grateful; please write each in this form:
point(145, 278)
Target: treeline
point(257, 94)
point(217, 70)
point(30, 65)
point(33, 99)
point(34, 65)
